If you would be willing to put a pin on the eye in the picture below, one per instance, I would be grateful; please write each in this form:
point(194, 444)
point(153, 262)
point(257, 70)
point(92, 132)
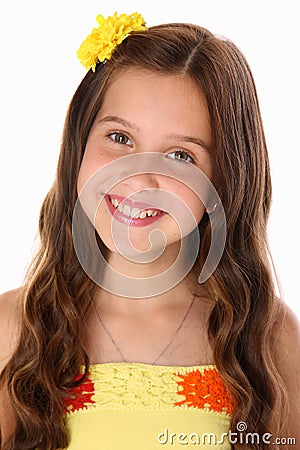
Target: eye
point(181, 155)
point(120, 138)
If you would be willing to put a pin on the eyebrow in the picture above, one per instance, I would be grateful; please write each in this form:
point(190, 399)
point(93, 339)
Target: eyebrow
point(119, 120)
point(177, 137)
point(193, 140)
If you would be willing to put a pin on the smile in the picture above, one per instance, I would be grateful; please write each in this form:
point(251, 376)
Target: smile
point(137, 215)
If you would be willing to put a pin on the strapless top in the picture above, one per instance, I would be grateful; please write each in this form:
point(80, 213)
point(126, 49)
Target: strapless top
point(137, 406)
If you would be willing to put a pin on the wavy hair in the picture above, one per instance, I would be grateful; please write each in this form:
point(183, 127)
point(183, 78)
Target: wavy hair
point(57, 291)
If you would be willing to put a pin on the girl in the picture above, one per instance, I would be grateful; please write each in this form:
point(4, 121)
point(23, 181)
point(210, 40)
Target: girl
point(153, 357)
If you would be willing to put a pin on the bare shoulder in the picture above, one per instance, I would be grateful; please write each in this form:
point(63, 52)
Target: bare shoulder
point(9, 332)
point(286, 343)
point(286, 335)
point(9, 323)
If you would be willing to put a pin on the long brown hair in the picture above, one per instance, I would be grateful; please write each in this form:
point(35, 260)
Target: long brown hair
point(58, 292)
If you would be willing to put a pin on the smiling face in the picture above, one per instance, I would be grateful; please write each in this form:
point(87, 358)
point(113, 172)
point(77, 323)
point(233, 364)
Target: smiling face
point(146, 112)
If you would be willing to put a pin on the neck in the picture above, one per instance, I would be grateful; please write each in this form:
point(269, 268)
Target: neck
point(178, 296)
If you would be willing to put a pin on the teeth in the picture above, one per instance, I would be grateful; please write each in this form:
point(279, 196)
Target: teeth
point(126, 210)
point(143, 215)
point(115, 202)
point(134, 212)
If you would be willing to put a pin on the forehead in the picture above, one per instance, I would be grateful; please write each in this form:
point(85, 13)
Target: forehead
point(145, 96)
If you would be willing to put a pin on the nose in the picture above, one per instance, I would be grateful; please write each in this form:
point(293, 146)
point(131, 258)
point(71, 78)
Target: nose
point(143, 173)
point(141, 182)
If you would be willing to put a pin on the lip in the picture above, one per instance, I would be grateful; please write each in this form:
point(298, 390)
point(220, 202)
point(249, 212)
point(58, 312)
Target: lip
point(130, 220)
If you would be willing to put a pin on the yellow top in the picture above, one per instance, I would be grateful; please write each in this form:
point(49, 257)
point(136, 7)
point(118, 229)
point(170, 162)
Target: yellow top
point(137, 406)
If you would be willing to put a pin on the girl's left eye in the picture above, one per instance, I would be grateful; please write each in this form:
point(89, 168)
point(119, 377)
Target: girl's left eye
point(181, 155)
point(120, 138)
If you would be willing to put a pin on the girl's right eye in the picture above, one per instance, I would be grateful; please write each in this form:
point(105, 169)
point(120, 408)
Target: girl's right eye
point(120, 138)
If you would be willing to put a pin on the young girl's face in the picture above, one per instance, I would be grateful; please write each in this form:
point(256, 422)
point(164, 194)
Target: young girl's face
point(147, 112)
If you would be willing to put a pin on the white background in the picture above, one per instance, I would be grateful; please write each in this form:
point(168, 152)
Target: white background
point(40, 72)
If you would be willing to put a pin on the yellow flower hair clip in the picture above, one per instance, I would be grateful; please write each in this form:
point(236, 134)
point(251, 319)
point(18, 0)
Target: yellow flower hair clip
point(100, 44)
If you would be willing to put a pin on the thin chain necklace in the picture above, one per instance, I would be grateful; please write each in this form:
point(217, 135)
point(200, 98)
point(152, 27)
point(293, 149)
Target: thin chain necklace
point(163, 350)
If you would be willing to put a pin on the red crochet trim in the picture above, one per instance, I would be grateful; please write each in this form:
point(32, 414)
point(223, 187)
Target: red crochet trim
point(204, 390)
point(81, 396)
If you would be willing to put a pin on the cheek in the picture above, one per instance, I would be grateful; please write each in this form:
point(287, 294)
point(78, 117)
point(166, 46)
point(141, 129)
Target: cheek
point(192, 203)
point(90, 165)
point(197, 207)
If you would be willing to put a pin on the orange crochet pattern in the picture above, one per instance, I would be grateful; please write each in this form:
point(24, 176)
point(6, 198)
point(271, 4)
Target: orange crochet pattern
point(204, 390)
point(81, 396)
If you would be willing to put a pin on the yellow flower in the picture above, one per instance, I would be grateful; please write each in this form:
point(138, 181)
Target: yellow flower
point(99, 45)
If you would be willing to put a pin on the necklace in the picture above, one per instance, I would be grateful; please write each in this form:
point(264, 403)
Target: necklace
point(164, 348)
